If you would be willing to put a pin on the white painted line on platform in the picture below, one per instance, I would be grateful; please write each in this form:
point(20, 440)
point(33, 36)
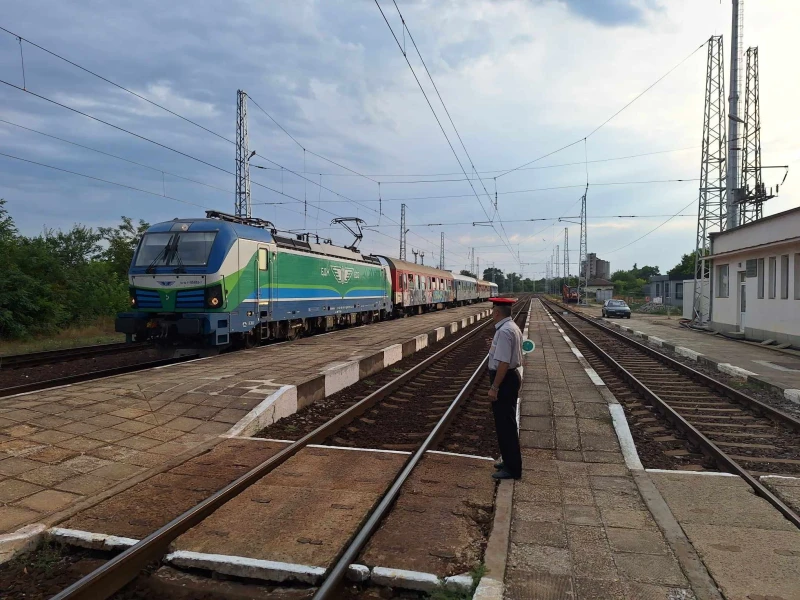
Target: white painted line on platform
point(625, 438)
point(792, 395)
point(656, 340)
point(734, 371)
point(596, 379)
point(489, 458)
point(576, 352)
point(93, 541)
point(277, 405)
point(412, 580)
point(241, 566)
point(183, 362)
point(779, 477)
point(711, 473)
point(324, 447)
point(687, 352)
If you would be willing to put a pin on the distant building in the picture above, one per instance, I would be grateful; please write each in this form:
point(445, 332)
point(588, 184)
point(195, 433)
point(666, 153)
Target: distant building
point(755, 288)
point(667, 288)
point(598, 268)
point(600, 289)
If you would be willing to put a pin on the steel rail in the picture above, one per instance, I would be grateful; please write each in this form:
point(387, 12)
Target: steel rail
point(725, 461)
point(739, 397)
point(330, 585)
point(32, 359)
point(90, 376)
point(123, 568)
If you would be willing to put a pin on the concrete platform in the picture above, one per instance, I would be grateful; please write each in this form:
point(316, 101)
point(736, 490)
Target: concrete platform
point(588, 522)
point(63, 449)
point(771, 368)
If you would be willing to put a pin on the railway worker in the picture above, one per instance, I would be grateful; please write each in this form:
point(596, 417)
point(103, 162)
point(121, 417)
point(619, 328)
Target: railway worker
point(505, 357)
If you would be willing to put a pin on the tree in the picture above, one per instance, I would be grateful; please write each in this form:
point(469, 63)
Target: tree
point(466, 273)
point(122, 242)
point(495, 275)
point(685, 267)
point(646, 272)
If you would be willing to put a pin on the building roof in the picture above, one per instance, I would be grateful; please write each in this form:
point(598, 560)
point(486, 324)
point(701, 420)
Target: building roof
point(600, 283)
point(715, 234)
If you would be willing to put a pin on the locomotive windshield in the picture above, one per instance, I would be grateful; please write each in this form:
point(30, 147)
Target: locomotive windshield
point(181, 248)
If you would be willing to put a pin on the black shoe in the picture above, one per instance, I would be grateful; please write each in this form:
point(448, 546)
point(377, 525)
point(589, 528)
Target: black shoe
point(503, 474)
point(499, 466)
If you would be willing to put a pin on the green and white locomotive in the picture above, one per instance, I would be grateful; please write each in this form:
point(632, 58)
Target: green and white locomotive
point(230, 281)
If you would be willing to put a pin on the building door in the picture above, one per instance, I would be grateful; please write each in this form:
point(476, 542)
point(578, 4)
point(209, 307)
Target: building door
point(742, 298)
point(264, 282)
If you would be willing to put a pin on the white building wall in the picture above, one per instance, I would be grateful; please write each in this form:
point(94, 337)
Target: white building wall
point(688, 298)
point(764, 318)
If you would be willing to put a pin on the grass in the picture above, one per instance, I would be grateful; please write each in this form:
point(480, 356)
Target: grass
point(396, 370)
point(369, 382)
point(42, 560)
point(99, 332)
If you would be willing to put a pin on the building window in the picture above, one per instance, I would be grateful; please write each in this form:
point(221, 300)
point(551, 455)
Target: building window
point(797, 276)
point(773, 279)
point(760, 277)
point(785, 276)
point(722, 281)
point(666, 289)
point(679, 291)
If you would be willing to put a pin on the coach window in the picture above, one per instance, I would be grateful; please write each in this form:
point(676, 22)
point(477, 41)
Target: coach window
point(722, 281)
point(262, 259)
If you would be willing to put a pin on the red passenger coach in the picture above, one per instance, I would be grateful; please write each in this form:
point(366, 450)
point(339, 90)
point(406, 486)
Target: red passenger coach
point(417, 288)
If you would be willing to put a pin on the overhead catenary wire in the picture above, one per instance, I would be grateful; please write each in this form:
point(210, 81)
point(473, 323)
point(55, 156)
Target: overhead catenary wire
point(438, 121)
point(652, 230)
point(608, 120)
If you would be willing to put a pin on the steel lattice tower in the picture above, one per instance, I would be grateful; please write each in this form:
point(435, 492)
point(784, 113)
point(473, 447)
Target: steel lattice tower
point(712, 210)
point(558, 262)
point(403, 232)
point(583, 275)
point(441, 253)
point(753, 192)
point(566, 254)
point(242, 206)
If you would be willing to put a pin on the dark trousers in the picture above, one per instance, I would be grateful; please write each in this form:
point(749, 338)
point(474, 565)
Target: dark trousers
point(505, 421)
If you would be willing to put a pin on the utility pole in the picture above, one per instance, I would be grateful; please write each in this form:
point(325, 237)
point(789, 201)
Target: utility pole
point(566, 254)
point(441, 254)
point(478, 272)
point(472, 262)
point(558, 262)
point(242, 204)
point(712, 210)
point(732, 179)
point(421, 257)
point(415, 253)
point(403, 232)
point(583, 274)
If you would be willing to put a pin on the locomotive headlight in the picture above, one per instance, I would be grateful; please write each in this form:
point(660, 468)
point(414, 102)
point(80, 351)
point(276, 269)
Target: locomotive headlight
point(132, 292)
point(133, 301)
point(214, 296)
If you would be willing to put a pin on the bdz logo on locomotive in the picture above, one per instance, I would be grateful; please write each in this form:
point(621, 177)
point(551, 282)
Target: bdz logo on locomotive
point(342, 274)
point(166, 283)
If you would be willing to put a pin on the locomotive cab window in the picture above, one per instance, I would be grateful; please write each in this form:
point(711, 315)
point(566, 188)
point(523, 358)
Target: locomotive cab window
point(262, 259)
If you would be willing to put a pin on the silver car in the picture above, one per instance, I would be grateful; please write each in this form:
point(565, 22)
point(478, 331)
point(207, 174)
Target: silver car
point(616, 308)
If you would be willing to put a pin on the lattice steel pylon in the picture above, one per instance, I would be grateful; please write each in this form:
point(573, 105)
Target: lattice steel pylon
point(441, 253)
point(753, 192)
point(242, 206)
point(558, 262)
point(403, 232)
point(583, 274)
point(712, 211)
point(566, 254)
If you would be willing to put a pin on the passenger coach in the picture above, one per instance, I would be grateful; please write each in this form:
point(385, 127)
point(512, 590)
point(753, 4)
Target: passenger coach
point(417, 288)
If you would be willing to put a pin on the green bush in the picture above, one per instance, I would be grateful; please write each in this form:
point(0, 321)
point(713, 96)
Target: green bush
point(62, 279)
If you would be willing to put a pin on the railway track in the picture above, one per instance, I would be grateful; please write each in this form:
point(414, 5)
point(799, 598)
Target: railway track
point(34, 359)
point(395, 402)
point(681, 416)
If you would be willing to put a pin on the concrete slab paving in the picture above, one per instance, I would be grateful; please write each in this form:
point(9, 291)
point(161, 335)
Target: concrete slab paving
point(83, 440)
point(580, 528)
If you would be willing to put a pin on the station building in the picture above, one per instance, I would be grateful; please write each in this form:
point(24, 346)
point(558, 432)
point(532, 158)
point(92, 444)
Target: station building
point(756, 279)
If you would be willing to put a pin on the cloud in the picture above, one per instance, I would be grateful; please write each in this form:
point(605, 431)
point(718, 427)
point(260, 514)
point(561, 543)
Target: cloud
point(609, 12)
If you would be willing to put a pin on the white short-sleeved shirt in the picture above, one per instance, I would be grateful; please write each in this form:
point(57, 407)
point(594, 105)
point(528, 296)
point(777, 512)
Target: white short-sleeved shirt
point(506, 345)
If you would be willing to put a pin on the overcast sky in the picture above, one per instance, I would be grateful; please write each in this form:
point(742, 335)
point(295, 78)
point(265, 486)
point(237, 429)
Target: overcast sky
point(519, 78)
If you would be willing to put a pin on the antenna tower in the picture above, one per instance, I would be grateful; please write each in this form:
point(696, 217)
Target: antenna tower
point(242, 205)
point(566, 254)
point(441, 254)
point(583, 274)
point(712, 214)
